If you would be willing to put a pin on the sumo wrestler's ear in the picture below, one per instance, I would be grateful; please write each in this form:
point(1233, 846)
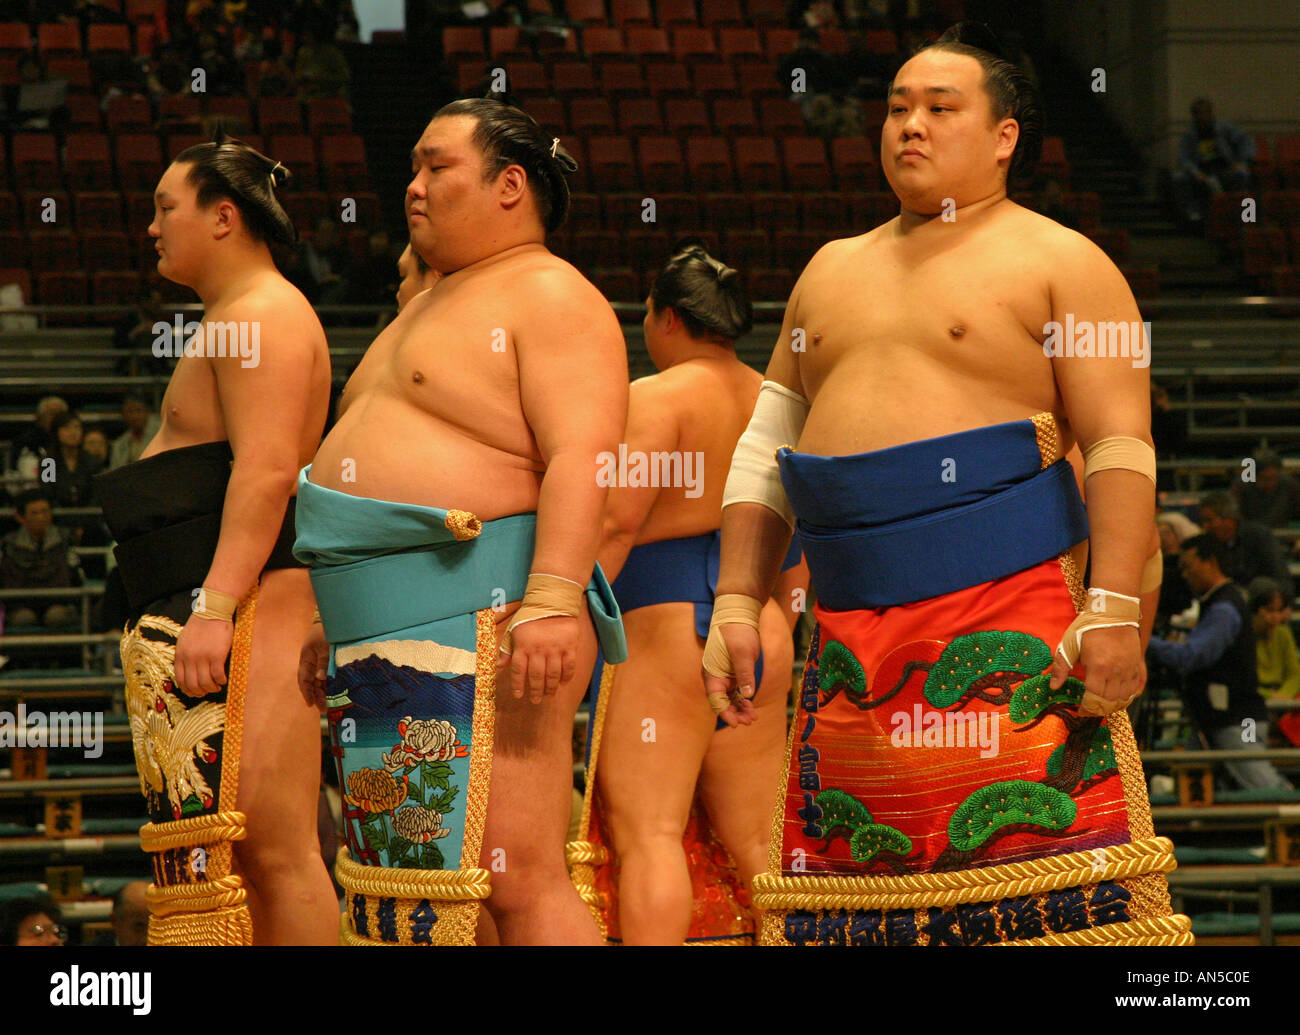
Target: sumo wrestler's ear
point(1008, 137)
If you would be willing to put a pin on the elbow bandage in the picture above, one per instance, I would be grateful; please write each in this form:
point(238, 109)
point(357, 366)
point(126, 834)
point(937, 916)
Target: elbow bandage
point(778, 420)
point(545, 596)
point(1132, 454)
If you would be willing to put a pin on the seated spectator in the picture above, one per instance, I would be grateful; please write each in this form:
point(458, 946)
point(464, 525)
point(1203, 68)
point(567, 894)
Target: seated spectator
point(1175, 594)
point(38, 556)
point(35, 102)
point(31, 921)
point(213, 54)
point(141, 426)
point(275, 77)
point(1217, 661)
point(1213, 157)
point(1168, 432)
point(1250, 549)
point(133, 335)
point(36, 441)
point(74, 468)
point(817, 67)
point(320, 265)
point(1273, 498)
point(95, 443)
point(320, 66)
point(1276, 658)
point(130, 917)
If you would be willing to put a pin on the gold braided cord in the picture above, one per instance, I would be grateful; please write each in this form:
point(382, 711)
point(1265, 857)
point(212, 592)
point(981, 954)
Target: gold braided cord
point(462, 524)
point(576, 852)
point(482, 734)
point(1156, 930)
point(776, 836)
point(228, 925)
point(347, 936)
point(232, 740)
point(195, 830)
point(389, 882)
point(196, 898)
point(1049, 442)
point(592, 897)
point(1008, 880)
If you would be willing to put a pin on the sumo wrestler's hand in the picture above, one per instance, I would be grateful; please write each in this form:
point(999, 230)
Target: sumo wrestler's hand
point(541, 654)
point(1115, 670)
point(730, 695)
point(201, 652)
point(312, 666)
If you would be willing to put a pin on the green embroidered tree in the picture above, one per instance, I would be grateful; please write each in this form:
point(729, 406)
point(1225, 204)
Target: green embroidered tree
point(844, 816)
point(1098, 762)
point(984, 665)
point(1034, 700)
point(839, 671)
point(999, 809)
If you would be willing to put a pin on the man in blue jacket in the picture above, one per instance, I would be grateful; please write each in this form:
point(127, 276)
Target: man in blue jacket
point(1213, 157)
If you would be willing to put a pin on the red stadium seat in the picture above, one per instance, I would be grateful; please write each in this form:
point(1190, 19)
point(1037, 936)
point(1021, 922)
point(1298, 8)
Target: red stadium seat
point(630, 12)
point(709, 161)
point(667, 80)
point(584, 211)
point(508, 43)
point(1224, 224)
point(777, 43)
point(679, 213)
point(66, 288)
point(13, 248)
point(83, 114)
point(824, 213)
point(22, 278)
point(328, 115)
point(106, 251)
point(554, 46)
point(180, 114)
point(40, 206)
point(58, 38)
point(736, 45)
point(600, 43)
point(612, 165)
point(75, 71)
point(757, 165)
point(1262, 248)
point(305, 207)
point(781, 118)
point(725, 208)
point(98, 211)
point(765, 12)
point(854, 163)
point(589, 12)
point(661, 166)
point(746, 249)
point(640, 116)
point(343, 163)
point(622, 81)
point(686, 117)
point(691, 45)
point(139, 161)
point(880, 41)
point(299, 154)
point(178, 142)
point(15, 38)
point(719, 13)
point(114, 288)
point(734, 118)
point(870, 210)
point(1052, 162)
point(53, 250)
point(525, 78)
point(759, 80)
point(139, 211)
point(673, 13)
point(806, 167)
point(234, 113)
point(108, 39)
point(834, 41)
point(549, 113)
point(591, 116)
point(600, 247)
point(461, 44)
point(1086, 208)
point(770, 285)
point(1114, 243)
point(779, 208)
point(35, 160)
point(875, 111)
point(714, 81)
point(279, 116)
point(128, 115)
point(793, 248)
point(648, 44)
point(10, 210)
point(8, 70)
point(1286, 281)
point(618, 285)
point(145, 10)
point(146, 40)
point(1288, 161)
point(572, 78)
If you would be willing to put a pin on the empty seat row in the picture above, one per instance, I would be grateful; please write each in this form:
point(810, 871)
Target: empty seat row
point(570, 79)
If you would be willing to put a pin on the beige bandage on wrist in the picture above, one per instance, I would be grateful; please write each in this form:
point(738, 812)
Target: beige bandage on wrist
point(1131, 454)
point(545, 596)
point(214, 605)
point(1105, 610)
point(728, 609)
point(754, 476)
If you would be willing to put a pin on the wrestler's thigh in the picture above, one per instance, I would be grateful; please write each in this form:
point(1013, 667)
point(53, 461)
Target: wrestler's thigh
point(741, 776)
point(531, 791)
point(658, 725)
point(279, 773)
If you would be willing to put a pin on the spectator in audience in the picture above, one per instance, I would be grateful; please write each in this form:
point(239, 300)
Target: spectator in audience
point(817, 68)
point(36, 441)
point(141, 426)
point(35, 102)
point(1250, 549)
point(31, 921)
point(1217, 661)
point(1273, 499)
point(320, 266)
point(213, 54)
point(130, 917)
point(1175, 594)
point(38, 556)
point(1276, 659)
point(95, 443)
point(1213, 157)
point(320, 66)
point(1168, 432)
point(73, 466)
point(134, 334)
point(275, 77)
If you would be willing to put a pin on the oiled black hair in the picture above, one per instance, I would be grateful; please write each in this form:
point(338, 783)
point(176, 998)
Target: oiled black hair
point(1012, 93)
point(704, 292)
point(228, 169)
point(506, 135)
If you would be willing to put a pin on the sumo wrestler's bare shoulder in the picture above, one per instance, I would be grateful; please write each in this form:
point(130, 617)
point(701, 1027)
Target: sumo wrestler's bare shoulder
point(1063, 254)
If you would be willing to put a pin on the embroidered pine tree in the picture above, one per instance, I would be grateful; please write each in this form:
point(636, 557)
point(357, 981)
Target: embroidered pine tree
point(1088, 755)
point(999, 809)
point(845, 816)
point(840, 672)
point(984, 666)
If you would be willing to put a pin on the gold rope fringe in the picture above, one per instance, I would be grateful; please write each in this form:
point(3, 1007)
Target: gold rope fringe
point(985, 884)
point(199, 897)
point(193, 831)
point(581, 856)
point(462, 524)
point(576, 852)
point(388, 882)
point(1161, 930)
